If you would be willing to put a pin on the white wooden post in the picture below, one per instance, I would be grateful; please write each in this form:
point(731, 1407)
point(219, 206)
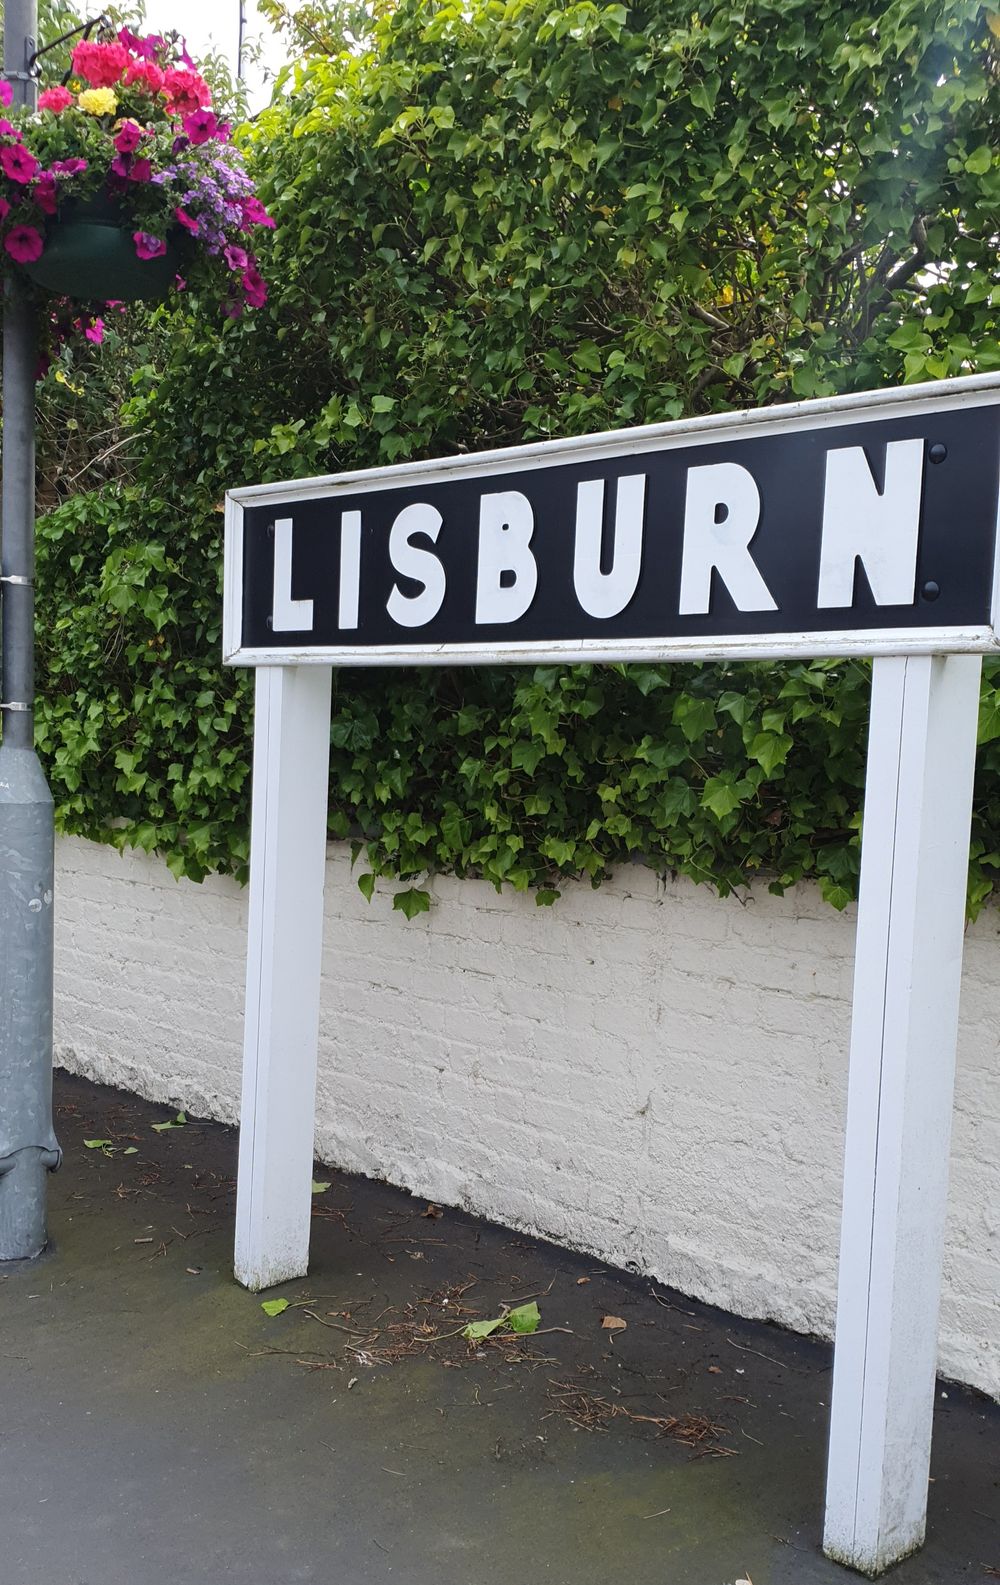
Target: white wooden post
point(911, 920)
point(291, 761)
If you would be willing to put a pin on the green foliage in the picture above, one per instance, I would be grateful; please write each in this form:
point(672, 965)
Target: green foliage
point(499, 221)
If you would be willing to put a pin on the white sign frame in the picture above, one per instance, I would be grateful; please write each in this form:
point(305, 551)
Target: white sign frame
point(917, 813)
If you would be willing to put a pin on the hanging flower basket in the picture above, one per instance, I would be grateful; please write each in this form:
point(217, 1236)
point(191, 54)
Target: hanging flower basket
point(125, 184)
point(89, 254)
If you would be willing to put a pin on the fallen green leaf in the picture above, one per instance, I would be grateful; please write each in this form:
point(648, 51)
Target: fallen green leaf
point(175, 1122)
point(130, 1150)
point(525, 1318)
point(98, 1144)
point(477, 1329)
point(273, 1306)
point(319, 1187)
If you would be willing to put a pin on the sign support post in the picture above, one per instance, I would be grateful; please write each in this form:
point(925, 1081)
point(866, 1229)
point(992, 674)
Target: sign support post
point(291, 768)
point(908, 966)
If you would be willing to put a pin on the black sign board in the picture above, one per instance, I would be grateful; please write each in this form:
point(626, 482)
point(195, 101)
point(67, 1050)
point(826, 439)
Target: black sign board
point(860, 525)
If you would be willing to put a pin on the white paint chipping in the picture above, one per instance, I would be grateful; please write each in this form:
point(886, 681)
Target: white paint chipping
point(617, 1073)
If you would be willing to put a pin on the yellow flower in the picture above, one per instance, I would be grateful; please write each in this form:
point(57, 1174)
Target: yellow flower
point(98, 102)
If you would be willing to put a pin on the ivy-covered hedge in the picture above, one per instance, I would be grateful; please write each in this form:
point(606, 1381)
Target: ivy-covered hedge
point(504, 220)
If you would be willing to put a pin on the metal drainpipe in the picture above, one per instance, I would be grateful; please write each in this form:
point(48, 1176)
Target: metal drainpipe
point(28, 1148)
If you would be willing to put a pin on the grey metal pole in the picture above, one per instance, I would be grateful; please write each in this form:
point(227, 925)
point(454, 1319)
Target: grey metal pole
point(28, 1148)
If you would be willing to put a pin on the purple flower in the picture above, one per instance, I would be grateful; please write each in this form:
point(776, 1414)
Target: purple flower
point(148, 247)
point(236, 258)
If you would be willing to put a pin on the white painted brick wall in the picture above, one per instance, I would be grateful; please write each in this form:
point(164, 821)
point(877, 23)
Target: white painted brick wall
point(646, 1072)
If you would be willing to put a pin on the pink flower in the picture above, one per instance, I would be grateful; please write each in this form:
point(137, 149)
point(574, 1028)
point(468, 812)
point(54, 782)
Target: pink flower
point(6, 92)
point(55, 99)
point(187, 221)
point(24, 244)
point(141, 171)
point(254, 287)
point(180, 283)
point(69, 167)
point(232, 310)
point(44, 193)
point(200, 126)
point(101, 65)
point(119, 166)
point(128, 137)
point(95, 331)
point(236, 258)
point(254, 213)
point(18, 163)
point(144, 74)
point(148, 247)
point(185, 91)
point(7, 130)
point(4, 209)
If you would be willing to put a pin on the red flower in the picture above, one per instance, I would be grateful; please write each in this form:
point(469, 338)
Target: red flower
point(185, 91)
point(128, 137)
point(55, 99)
point(200, 126)
point(18, 163)
point(101, 65)
point(144, 74)
point(24, 244)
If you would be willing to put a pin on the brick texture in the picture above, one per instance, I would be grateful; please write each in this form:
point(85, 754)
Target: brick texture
point(647, 1072)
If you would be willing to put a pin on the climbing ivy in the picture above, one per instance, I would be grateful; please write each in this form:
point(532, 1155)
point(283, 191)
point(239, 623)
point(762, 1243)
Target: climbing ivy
point(499, 220)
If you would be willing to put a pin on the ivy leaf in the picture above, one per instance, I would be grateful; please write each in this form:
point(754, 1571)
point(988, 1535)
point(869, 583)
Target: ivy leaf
point(412, 902)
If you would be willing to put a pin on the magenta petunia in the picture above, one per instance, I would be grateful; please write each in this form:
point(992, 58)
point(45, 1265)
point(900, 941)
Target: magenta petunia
point(4, 209)
point(200, 126)
point(95, 331)
point(128, 137)
point(187, 221)
point(254, 287)
point(148, 247)
point(69, 167)
point(44, 193)
point(254, 213)
point(6, 92)
point(56, 99)
point(8, 130)
point(24, 244)
point(236, 258)
point(18, 163)
point(140, 171)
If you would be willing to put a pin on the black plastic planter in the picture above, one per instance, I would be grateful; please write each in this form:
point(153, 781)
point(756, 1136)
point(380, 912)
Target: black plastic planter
point(90, 255)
